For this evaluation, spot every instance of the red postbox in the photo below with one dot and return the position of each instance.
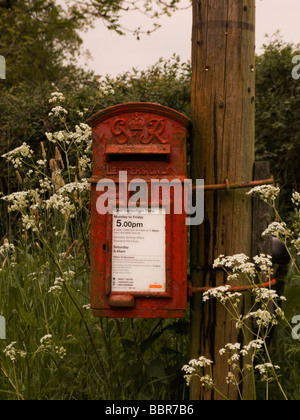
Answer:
(138, 222)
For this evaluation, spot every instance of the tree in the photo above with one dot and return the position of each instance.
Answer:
(7, 4)
(39, 41)
(167, 82)
(110, 11)
(277, 115)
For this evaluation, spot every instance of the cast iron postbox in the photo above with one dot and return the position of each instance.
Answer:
(138, 246)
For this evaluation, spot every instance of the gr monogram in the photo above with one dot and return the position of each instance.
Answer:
(145, 130)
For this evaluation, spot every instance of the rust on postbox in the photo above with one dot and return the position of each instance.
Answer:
(138, 233)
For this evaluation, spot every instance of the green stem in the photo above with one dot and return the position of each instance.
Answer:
(274, 373)
(74, 302)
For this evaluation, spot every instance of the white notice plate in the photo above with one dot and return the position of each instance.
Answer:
(139, 250)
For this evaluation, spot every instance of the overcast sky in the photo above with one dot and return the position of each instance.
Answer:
(113, 54)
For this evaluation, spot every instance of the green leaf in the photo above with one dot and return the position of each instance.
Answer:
(157, 368)
(129, 344)
(147, 343)
(292, 304)
(27, 317)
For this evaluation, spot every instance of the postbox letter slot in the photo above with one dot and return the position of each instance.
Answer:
(156, 152)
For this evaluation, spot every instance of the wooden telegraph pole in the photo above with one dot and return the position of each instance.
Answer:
(223, 96)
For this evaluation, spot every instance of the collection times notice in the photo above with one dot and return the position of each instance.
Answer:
(139, 251)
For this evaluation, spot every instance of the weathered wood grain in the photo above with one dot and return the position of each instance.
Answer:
(223, 101)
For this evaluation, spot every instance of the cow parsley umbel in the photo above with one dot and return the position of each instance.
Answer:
(250, 358)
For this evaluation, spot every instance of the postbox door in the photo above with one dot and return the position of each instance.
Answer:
(142, 260)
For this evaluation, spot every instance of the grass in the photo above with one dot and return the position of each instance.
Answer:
(122, 359)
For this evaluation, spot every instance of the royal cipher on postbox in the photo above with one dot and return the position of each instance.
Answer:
(138, 221)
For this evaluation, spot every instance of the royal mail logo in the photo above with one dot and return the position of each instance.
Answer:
(2, 67)
(2, 328)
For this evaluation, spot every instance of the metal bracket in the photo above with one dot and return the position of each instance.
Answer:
(228, 186)
(193, 290)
